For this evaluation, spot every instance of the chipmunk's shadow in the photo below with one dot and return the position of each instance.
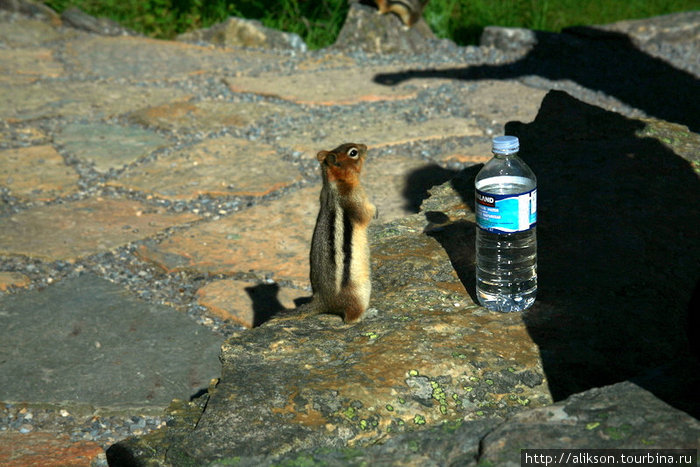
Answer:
(266, 303)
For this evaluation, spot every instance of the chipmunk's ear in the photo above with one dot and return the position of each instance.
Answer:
(321, 156)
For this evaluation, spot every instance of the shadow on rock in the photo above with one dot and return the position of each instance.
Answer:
(419, 181)
(458, 238)
(618, 251)
(598, 60)
(266, 303)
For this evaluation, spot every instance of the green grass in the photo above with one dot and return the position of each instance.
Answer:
(319, 21)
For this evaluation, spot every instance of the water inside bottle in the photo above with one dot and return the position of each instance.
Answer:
(506, 272)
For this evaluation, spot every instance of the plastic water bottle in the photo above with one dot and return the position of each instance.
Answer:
(506, 237)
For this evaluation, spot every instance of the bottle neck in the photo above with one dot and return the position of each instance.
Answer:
(501, 155)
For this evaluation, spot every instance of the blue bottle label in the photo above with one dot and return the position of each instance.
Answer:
(509, 213)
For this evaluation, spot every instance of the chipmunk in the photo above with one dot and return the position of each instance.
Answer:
(409, 11)
(340, 270)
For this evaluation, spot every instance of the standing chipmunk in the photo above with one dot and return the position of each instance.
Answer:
(409, 11)
(340, 270)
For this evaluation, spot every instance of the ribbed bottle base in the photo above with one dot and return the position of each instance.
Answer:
(506, 303)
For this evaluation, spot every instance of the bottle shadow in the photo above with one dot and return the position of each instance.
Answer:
(618, 223)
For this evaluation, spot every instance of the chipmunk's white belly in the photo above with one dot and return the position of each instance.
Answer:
(359, 267)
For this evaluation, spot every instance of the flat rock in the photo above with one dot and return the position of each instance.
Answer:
(77, 229)
(493, 101)
(84, 99)
(223, 166)
(43, 448)
(235, 244)
(245, 303)
(89, 341)
(108, 146)
(28, 65)
(36, 173)
(133, 58)
(189, 116)
(329, 87)
(505, 101)
(376, 130)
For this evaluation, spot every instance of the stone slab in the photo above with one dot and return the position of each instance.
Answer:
(247, 304)
(329, 60)
(189, 116)
(82, 228)
(88, 340)
(132, 58)
(108, 146)
(36, 173)
(328, 87)
(26, 65)
(268, 238)
(46, 449)
(83, 99)
(223, 166)
(375, 129)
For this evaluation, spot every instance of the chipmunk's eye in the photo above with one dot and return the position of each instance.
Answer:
(353, 153)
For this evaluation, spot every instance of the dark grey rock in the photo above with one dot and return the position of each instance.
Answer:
(508, 39)
(621, 416)
(239, 32)
(87, 340)
(367, 30)
(78, 19)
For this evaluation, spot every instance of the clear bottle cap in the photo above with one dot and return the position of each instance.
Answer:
(505, 144)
